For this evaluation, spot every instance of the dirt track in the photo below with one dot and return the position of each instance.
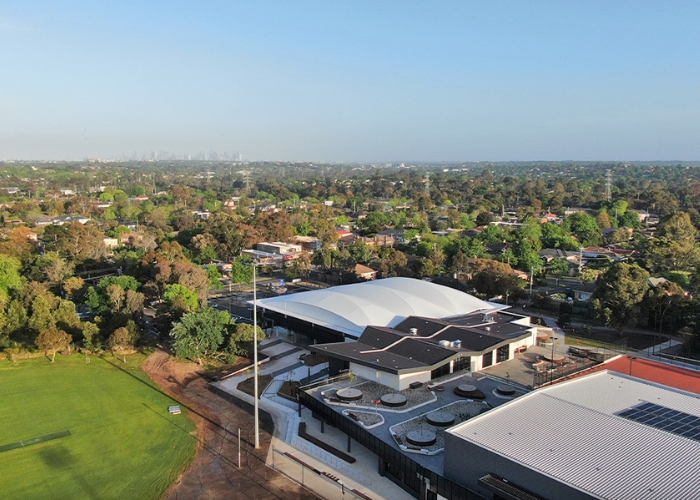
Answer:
(214, 473)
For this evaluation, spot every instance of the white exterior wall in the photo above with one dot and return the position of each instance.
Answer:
(408, 379)
(476, 362)
(384, 378)
(396, 382)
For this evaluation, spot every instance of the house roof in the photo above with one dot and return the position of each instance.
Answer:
(556, 431)
(387, 302)
(361, 269)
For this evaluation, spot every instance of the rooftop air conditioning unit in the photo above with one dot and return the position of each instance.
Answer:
(457, 344)
(445, 343)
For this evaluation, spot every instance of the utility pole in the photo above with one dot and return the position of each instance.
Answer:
(255, 360)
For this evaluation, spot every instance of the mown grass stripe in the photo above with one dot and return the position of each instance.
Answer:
(36, 440)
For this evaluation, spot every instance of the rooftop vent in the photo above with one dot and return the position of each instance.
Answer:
(487, 328)
(413, 331)
(457, 344)
(445, 343)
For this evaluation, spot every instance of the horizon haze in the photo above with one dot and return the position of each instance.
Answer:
(351, 82)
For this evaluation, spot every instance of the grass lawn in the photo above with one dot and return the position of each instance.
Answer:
(583, 342)
(123, 442)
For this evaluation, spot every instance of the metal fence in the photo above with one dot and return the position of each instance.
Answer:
(393, 464)
(321, 482)
(548, 376)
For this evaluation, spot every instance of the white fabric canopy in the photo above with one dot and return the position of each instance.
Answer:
(387, 302)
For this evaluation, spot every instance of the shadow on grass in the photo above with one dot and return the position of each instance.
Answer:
(226, 432)
(59, 458)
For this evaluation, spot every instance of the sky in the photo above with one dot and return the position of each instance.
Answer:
(353, 80)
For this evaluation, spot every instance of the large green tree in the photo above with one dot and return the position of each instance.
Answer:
(617, 299)
(53, 339)
(199, 334)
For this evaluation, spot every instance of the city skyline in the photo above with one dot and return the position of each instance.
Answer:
(358, 82)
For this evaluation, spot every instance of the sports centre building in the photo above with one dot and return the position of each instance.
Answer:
(399, 331)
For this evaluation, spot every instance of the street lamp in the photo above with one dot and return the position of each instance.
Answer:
(551, 375)
(255, 360)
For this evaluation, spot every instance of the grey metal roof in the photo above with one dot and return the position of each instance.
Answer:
(570, 432)
(395, 349)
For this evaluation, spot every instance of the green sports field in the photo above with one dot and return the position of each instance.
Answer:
(123, 443)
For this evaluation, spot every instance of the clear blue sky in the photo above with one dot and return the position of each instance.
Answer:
(352, 80)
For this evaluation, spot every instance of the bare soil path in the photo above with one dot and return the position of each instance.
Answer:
(214, 473)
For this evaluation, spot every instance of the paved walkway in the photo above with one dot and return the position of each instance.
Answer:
(362, 475)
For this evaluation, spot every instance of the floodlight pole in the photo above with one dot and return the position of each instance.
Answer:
(551, 376)
(255, 360)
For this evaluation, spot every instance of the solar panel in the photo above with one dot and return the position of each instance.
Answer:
(665, 419)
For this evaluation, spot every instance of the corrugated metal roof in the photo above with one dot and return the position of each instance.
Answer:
(569, 432)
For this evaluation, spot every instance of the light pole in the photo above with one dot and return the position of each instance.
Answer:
(551, 376)
(255, 360)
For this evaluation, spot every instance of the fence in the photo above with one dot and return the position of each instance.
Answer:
(680, 360)
(321, 482)
(590, 344)
(395, 465)
(546, 377)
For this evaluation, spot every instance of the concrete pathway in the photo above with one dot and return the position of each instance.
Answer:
(362, 475)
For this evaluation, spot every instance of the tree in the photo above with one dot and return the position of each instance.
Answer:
(214, 276)
(558, 267)
(198, 334)
(9, 274)
(484, 218)
(531, 231)
(242, 339)
(181, 298)
(16, 318)
(53, 339)
(660, 300)
(18, 242)
(493, 283)
(122, 340)
(299, 267)
(618, 295)
(52, 267)
(361, 252)
(193, 277)
(629, 219)
(525, 253)
(242, 270)
(585, 227)
(77, 242)
(89, 331)
(73, 287)
(41, 319)
(110, 294)
(678, 228)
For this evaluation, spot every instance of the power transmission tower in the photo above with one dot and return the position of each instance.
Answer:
(247, 182)
(608, 184)
(427, 183)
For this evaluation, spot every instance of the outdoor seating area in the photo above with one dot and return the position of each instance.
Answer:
(425, 434)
